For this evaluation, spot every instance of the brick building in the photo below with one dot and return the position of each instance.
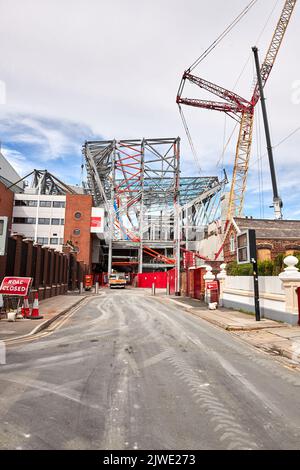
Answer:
(6, 202)
(8, 176)
(273, 237)
(78, 225)
(51, 213)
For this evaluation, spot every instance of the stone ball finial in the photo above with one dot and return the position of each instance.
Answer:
(290, 272)
(209, 276)
(291, 262)
(222, 275)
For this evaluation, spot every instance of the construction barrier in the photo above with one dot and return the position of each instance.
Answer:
(145, 280)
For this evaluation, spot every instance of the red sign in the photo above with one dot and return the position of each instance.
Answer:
(15, 286)
(212, 285)
(96, 221)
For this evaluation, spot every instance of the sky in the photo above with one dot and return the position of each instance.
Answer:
(76, 70)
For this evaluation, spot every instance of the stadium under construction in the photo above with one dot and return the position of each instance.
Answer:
(152, 213)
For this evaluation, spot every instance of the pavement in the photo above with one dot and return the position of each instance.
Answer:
(130, 371)
(50, 309)
(271, 336)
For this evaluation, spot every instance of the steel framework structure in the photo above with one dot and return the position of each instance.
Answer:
(138, 183)
(43, 182)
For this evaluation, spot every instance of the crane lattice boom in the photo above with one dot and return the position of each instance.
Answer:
(241, 110)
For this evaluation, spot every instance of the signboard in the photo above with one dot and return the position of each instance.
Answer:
(246, 247)
(212, 285)
(97, 220)
(15, 286)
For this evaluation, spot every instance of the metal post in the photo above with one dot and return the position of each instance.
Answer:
(141, 218)
(253, 255)
(37, 211)
(153, 288)
(276, 198)
(178, 243)
(111, 209)
(256, 290)
(168, 287)
(81, 288)
(97, 288)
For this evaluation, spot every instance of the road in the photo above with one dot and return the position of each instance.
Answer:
(129, 371)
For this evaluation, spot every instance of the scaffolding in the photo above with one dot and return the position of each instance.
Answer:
(146, 201)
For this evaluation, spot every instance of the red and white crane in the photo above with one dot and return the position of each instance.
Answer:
(241, 110)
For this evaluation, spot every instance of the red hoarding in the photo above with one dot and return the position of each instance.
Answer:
(15, 286)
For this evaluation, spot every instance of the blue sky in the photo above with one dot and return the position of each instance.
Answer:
(35, 142)
(69, 80)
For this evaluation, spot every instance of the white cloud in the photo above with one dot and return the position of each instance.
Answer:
(17, 160)
(116, 66)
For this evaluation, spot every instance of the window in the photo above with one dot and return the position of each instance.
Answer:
(55, 221)
(19, 220)
(77, 215)
(58, 204)
(24, 220)
(43, 240)
(62, 221)
(76, 232)
(264, 254)
(45, 203)
(53, 241)
(61, 241)
(232, 244)
(44, 221)
(1, 226)
(26, 203)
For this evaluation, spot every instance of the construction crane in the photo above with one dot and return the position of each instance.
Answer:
(242, 111)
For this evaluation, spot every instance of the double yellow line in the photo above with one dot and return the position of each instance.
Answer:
(54, 326)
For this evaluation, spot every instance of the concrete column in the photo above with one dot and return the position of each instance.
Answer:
(290, 279)
(222, 279)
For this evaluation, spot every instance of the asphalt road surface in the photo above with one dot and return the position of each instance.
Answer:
(129, 371)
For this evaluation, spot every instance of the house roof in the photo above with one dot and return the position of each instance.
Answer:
(276, 229)
(8, 175)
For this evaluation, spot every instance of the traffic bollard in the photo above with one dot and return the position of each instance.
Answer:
(153, 288)
(168, 288)
(97, 288)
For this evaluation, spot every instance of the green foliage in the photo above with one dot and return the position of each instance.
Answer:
(265, 268)
(234, 269)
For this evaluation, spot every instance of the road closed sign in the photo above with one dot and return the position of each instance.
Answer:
(15, 286)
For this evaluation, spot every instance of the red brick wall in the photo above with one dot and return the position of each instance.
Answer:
(6, 209)
(6, 202)
(228, 256)
(276, 246)
(79, 203)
